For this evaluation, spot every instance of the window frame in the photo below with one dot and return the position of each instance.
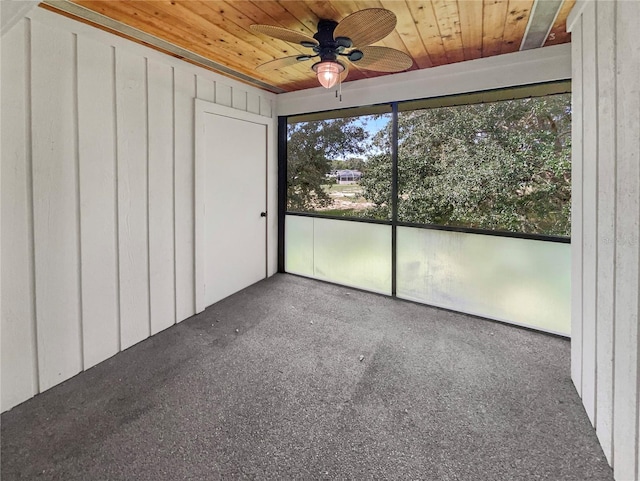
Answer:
(467, 98)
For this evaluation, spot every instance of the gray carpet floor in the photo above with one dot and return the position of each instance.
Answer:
(297, 379)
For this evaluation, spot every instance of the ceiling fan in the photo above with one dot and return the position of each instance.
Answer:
(333, 42)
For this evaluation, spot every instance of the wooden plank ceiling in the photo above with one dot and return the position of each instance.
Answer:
(433, 33)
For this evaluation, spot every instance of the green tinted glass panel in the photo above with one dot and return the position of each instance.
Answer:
(521, 281)
(298, 257)
(353, 254)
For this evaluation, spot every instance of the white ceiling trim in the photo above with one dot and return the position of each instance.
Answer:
(509, 70)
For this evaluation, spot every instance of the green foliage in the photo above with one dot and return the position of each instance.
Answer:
(310, 146)
(349, 164)
(501, 166)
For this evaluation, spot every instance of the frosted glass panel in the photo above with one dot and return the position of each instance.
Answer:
(298, 258)
(521, 281)
(353, 254)
(349, 253)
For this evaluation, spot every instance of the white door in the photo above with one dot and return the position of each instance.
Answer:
(232, 166)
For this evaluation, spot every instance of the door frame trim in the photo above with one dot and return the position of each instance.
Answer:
(202, 108)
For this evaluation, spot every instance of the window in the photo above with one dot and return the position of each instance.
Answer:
(503, 165)
(490, 161)
(328, 161)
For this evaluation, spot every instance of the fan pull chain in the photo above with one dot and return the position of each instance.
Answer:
(339, 89)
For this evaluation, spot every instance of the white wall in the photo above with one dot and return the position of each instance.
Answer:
(98, 195)
(606, 224)
(519, 68)
(12, 11)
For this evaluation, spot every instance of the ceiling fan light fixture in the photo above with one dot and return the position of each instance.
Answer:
(328, 72)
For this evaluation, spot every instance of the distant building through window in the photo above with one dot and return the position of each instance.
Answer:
(500, 165)
(348, 176)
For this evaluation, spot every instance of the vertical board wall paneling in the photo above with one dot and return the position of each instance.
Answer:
(265, 107)
(205, 89)
(576, 207)
(223, 94)
(55, 187)
(132, 153)
(239, 99)
(253, 103)
(608, 108)
(19, 354)
(606, 151)
(626, 400)
(184, 93)
(589, 212)
(97, 157)
(81, 187)
(161, 195)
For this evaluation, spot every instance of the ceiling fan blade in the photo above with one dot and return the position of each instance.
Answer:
(285, 34)
(282, 62)
(384, 59)
(366, 26)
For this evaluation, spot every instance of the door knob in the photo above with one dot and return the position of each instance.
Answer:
(263, 214)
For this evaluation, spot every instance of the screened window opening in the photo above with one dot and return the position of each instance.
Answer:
(328, 162)
(502, 166)
(461, 202)
(495, 161)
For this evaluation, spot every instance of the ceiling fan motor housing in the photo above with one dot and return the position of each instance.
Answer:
(329, 48)
(363, 28)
